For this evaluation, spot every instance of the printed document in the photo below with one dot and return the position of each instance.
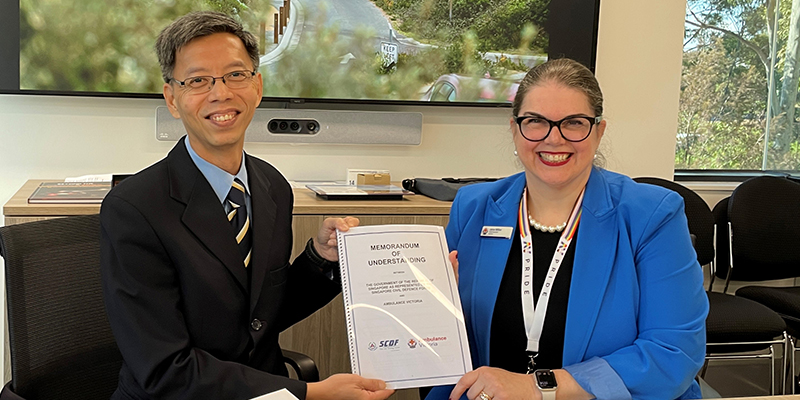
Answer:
(404, 319)
(281, 394)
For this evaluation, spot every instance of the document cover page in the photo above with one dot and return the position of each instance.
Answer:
(404, 319)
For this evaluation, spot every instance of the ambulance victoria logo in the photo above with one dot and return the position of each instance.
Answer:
(485, 230)
(428, 341)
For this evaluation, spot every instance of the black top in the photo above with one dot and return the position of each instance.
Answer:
(508, 340)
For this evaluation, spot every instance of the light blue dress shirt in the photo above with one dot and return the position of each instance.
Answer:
(219, 179)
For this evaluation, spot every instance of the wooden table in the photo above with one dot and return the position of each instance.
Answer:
(322, 335)
(411, 209)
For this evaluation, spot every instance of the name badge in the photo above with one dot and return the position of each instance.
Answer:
(504, 232)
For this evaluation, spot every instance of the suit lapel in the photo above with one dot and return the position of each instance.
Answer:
(201, 217)
(594, 258)
(263, 228)
(491, 262)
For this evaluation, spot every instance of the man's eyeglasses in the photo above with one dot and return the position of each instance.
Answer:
(536, 128)
(202, 84)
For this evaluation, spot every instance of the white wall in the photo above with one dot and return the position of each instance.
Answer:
(638, 66)
(639, 51)
(53, 137)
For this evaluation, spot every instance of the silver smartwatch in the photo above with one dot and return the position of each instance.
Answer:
(546, 382)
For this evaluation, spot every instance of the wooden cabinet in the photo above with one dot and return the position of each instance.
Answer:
(322, 335)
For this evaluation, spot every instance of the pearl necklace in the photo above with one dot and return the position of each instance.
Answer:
(545, 228)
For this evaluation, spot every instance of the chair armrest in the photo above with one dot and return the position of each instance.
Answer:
(302, 364)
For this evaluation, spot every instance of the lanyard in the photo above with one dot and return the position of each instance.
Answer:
(534, 317)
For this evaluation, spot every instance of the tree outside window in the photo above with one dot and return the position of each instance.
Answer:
(739, 86)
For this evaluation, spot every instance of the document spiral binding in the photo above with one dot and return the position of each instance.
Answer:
(351, 337)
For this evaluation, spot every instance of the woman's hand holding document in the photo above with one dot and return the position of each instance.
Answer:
(404, 319)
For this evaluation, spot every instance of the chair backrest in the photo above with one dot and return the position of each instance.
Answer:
(764, 213)
(61, 342)
(698, 214)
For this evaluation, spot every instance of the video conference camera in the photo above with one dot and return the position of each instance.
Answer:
(315, 126)
(296, 126)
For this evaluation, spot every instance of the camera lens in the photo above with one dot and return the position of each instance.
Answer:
(284, 125)
(273, 126)
(295, 126)
(312, 126)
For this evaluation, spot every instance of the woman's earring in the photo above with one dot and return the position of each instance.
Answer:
(515, 153)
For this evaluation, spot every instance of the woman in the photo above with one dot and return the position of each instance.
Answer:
(622, 313)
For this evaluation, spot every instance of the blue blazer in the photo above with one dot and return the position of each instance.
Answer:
(637, 309)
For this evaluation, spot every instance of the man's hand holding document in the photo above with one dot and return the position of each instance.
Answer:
(404, 319)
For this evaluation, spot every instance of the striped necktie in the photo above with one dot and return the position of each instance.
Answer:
(239, 219)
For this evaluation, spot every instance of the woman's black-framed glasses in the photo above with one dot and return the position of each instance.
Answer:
(202, 84)
(575, 128)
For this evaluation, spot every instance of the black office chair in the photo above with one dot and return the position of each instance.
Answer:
(61, 343)
(735, 327)
(698, 214)
(721, 239)
(764, 240)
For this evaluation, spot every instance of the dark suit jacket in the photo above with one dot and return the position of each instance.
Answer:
(187, 322)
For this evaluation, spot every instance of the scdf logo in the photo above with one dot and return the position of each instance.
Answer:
(372, 346)
(388, 343)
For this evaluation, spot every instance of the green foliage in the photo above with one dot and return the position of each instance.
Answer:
(121, 57)
(362, 77)
(365, 77)
(497, 23)
(724, 89)
(505, 66)
(230, 7)
(462, 55)
(53, 46)
(722, 110)
(501, 27)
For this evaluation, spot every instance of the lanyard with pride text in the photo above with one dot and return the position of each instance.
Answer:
(534, 317)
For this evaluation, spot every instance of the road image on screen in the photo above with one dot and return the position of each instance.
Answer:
(406, 50)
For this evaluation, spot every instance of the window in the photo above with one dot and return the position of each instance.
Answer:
(739, 86)
(444, 92)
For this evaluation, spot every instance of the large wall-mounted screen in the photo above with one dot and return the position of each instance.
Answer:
(370, 51)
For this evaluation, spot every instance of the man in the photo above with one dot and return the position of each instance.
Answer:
(195, 249)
